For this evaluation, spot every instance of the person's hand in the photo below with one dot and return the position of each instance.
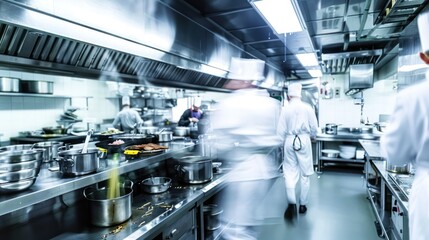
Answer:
(193, 120)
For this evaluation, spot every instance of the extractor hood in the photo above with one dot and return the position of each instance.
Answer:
(143, 42)
(361, 77)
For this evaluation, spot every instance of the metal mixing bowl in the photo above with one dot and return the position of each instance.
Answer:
(156, 184)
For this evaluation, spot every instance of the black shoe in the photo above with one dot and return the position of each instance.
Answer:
(302, 209)
(290, 212)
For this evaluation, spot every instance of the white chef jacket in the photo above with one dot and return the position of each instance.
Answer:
(407, 140)
(127, 118)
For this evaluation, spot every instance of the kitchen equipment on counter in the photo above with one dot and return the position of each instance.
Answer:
(347, 151)
(331, 128)
(212, 214)
(85, 145)
(11, 187)
(50, 149)
(181, 131)
(402, 169)
(131, 139)
(75, 163)
(41, 87)
(8, 84)
(165, 136)
(155, 185)
(105, 212)
(54, 130)
(194, 169)
(380, 126)
(148, 130)
(331, 153)
(18, 147)
(17, 156)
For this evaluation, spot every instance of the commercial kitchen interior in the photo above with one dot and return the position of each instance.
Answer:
(95, 52)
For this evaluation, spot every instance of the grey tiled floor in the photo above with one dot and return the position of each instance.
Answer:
(338, 210)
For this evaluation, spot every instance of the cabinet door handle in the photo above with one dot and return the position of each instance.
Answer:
(172, 233)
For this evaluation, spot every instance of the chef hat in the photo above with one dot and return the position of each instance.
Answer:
(125, 100)
(423, 24)
(246, 69)
(197, 102)
(294, 90)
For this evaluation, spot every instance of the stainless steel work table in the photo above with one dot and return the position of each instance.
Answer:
(73, 223)
(340, 137)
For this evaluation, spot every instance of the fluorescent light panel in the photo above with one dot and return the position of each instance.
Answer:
(315, 73)
(280, 14)
(307, 59)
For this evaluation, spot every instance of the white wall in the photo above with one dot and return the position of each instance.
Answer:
(342, 110)
(20, 113)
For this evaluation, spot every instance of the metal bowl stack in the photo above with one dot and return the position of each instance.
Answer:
(19, 168)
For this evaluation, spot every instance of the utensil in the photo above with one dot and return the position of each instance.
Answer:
(85, 145)
(154, 185)
(75, 163)
(195, 169)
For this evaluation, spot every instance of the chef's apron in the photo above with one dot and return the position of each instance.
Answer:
(419, 205)
(196, 114)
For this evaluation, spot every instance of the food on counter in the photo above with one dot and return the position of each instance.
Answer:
(147, 147)
(111, 131)
(117, 142)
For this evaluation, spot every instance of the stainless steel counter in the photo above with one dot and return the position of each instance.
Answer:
(343, 136)
(51, 184)
(372, 148)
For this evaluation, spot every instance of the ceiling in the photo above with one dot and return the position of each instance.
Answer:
(340, 32)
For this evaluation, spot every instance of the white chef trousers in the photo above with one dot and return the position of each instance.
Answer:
(419, 205)
(297, 166)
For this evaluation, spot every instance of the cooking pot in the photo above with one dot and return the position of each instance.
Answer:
(9, 84)
(181, 131)
(148, 130)
(195, 169)
(331, 153)
(403, 169)
(165, 136)
(105, 212)
(156, 184)
(331, 128)
(74, 163)
(42, 87)
(212, 217)
(50, 149)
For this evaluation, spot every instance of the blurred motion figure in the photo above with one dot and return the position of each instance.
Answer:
(297, 126)
(192, 115)
(406, 139)
(245, 131)
(127, 119)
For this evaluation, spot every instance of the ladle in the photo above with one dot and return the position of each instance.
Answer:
(85, 145)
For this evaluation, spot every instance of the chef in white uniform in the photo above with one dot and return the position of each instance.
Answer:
(406, 139)
(297, 125)
(244, 126)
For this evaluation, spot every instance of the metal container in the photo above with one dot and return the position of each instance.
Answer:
(195, 169)
(13, 167)
(331, 128)
(165, 136)
(155, 185)
(51, 149)
(18, 175)
(42, 87)
(212, 214)
(20, 156)
(331, 153)
(74, 163)
(8, 84)
(106, 212)
(11, 187)
(403, 169)
(18, 147)
(181, 131)
(148, 130)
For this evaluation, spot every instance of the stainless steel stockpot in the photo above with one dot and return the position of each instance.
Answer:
(51, 149)
(74, 163)
(195, 169)
(107, 212)
(331, 128)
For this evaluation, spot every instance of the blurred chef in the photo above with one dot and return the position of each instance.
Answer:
(192, 115)
(127, 119)
(406, 139)
(297, 126)
(244, 126)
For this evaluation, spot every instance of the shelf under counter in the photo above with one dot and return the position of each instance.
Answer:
(50, 184)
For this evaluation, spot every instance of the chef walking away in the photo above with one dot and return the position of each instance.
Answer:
(192, 115)
(127, 119)
(297, 126)
(244, 128)
(406, 139)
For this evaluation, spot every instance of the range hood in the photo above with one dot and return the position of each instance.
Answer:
(361, 77)
(143, 42)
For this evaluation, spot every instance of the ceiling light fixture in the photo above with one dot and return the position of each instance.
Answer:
(315, 73)
(282, 15)
(307, 59)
